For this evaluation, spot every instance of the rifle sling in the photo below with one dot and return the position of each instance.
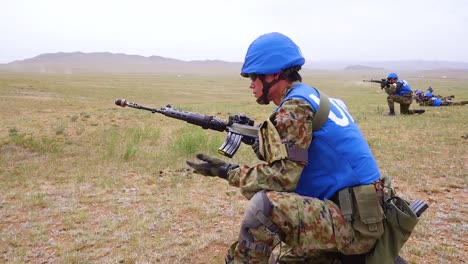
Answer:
(323, 110)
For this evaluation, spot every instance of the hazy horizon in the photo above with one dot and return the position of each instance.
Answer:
(357, 61)
(358, 31)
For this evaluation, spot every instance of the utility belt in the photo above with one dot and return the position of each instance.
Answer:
(376, 207)
(362, 207)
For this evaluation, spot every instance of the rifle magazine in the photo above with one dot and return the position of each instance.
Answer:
(230, 145)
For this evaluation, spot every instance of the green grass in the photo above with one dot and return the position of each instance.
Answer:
(85, 181)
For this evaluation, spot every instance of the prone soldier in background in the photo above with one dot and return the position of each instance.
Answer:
(429, 99)
(430, 93)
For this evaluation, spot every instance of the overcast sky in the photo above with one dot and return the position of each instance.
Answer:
(223, 29)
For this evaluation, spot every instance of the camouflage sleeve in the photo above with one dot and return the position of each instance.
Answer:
(294, 124)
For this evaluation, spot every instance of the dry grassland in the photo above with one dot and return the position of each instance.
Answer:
(85, 181)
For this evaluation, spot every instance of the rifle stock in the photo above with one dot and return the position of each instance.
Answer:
(240, 128)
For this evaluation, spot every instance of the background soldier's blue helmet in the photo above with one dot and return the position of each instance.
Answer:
(270, 54)
(392, 76)
(418, 92)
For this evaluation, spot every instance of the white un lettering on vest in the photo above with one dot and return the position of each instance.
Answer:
(342, 109)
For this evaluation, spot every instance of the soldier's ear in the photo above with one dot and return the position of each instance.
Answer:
(278, 75)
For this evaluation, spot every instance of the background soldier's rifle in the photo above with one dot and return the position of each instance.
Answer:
(240, 128)
(383, 82)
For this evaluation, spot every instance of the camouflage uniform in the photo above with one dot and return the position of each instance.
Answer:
(404, 100)
(315, 230)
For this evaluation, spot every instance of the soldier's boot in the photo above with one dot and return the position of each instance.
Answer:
(392, 111)
(404, 109)
(391, 106)
(463, 102)
(419, 111)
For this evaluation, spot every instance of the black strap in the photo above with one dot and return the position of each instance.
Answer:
(266, 89)
(257, 247)
(269, 225)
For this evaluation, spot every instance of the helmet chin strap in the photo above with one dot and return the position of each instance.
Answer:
(263, 100)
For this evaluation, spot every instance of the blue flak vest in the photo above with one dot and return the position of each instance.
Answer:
(339, 156)
(436, 101)
(405, 88)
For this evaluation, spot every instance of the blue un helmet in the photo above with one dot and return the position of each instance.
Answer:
(270, 54)
(392, 76)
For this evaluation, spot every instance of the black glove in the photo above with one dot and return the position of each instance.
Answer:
(211, 166)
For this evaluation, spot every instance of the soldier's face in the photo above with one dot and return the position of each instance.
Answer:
(257, 86)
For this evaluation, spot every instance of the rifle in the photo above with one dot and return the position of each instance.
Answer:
(383, 82)
(240, 128)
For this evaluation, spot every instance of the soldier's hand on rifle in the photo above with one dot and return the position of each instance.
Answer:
(383, 84)
(256, 149)
(211, 166)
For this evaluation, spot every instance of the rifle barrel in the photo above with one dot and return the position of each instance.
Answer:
(205, 121)
(374, 81)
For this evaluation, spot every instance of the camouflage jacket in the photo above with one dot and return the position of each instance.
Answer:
(293, 122)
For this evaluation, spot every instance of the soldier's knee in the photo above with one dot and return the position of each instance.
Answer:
(257, 213)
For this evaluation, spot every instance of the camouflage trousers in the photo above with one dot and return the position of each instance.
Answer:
(404, 101)
(315, 232)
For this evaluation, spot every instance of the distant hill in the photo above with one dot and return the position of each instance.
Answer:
(118, 63)
(392, 66)
(362, 68)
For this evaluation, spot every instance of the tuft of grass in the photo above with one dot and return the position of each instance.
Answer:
(60, 130)
(191, 140)
(85, 115)
(111, 139)
(129, 142)
(44, 144)
(74, 118)
(38, 199)
(130, 151)
(13, 132)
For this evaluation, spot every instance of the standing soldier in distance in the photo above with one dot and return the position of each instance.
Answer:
(315, 155)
